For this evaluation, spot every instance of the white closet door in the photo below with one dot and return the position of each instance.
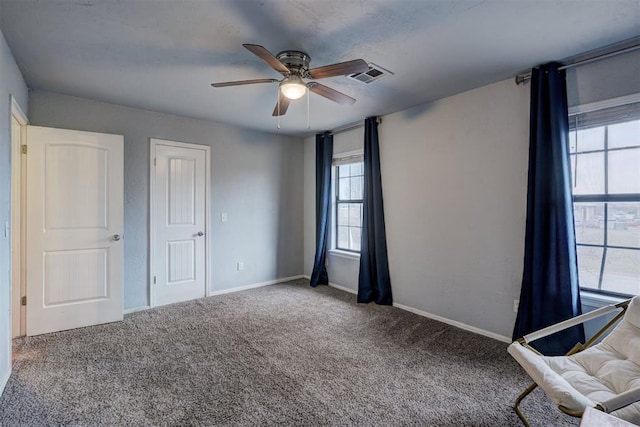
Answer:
(178, 210)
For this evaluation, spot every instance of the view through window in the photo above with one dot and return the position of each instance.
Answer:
(605, 169)
(349, 193)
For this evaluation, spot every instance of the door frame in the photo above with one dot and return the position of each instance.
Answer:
(153, 143)
(18, 241)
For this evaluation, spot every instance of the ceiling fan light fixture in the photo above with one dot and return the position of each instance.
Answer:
(293, 87)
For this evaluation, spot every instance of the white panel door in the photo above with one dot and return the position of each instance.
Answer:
(74, 223)
(179, 218)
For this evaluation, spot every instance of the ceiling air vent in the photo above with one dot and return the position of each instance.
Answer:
(375, 72)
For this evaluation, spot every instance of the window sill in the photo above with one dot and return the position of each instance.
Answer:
(344, 254)
(593, 299)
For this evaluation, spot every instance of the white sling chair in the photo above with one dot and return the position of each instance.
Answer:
(605, 376)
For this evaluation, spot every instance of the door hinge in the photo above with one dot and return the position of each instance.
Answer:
(154, 161)
(24, 149)
(23, 301)
(154, 280)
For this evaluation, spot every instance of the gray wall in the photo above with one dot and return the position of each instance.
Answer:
(256, 178)
(454, 181)
(454, 178)
(11, 83)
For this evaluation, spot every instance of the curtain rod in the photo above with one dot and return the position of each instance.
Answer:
(352, 126)
(522, 78)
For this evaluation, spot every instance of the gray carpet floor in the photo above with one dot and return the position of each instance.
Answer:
(285, 354)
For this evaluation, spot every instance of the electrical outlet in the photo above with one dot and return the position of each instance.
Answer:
(516, 303)
(240, 266)
(223, 217)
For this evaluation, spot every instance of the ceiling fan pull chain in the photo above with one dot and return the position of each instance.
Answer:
(308, 121)
(278, 101)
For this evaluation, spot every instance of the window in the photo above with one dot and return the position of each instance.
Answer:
(349, 183)
(605, 169)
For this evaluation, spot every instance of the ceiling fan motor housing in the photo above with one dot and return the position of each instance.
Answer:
(297, 62)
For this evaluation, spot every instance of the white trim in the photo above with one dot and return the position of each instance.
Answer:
(358, 152)
(14, 111)
(435, 317)
(593, 299)
(231, 290)
(17, 111)
(355, 156)
(135, 309)
(454, 323)
(5, 378)
(343, 288)
(256, 285)
(152, 186)
(153, 142)
(17, 240)
(607, 103)
(333, 285)
(344, 254)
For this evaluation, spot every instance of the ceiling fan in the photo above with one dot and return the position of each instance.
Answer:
(294, 66)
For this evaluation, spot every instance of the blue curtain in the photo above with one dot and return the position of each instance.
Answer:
(550, 291)
(324, 157)
(374, 283)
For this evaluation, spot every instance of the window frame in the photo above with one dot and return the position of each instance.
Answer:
(351, 158)
(605, 197)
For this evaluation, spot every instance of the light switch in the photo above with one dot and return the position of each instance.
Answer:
(223, 217)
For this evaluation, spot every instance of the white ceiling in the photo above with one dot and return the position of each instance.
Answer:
(162, 55)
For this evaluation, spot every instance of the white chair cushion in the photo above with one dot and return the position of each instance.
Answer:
(633, 312)
(594, 375)
(557, 388)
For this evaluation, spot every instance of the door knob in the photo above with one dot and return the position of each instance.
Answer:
(115, 237)
(200, 233)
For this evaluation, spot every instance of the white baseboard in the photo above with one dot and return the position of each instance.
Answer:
(227, 291)
(4, 379)
(454, 323)
(343, 288)
(255, 285)
(133, 310)
(435, 317)
(333, 285)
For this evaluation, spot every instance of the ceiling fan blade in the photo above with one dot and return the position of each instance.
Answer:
(284, 104)
(243, 82)
(341, 69)
(331, 94)
(267, 57)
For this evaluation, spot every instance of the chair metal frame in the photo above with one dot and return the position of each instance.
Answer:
(524, 341)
